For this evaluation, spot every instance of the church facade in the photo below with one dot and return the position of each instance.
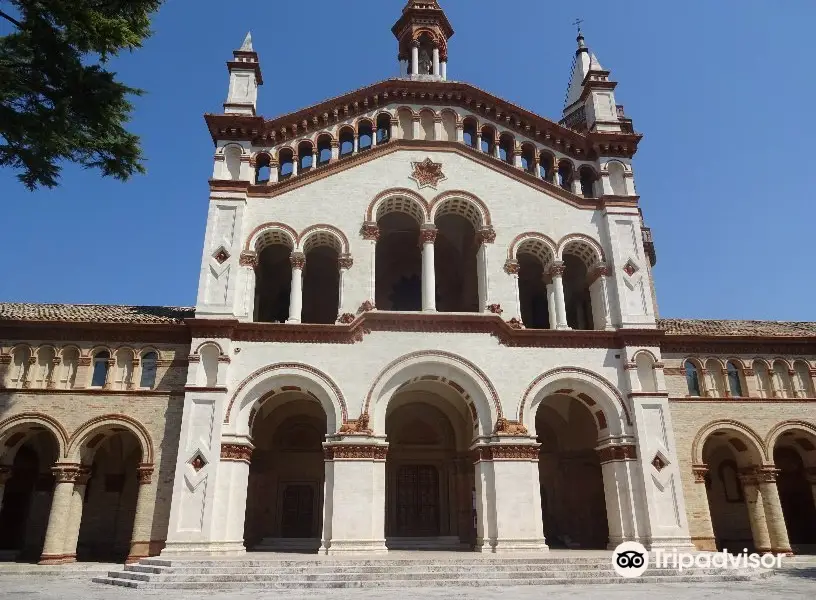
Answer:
(425, 318)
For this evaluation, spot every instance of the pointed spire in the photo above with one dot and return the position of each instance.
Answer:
(247, 45)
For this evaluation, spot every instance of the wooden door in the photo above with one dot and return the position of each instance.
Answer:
(298, 511)
(417, 501)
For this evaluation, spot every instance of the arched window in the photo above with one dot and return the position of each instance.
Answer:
(763, 379)
(546, 168)
(692, 379)
(305, 156)
(208, 375)
(565, 174)
(70, 361)
(582, 295)
(286, 158)
(645, 370)
(383, 128)
(783, 380)
(45, 366)
(20, 366)
(488, 140)
(587, 176)
(426, 125)
(346, 142)
(617, 178)
(124, 369)
(148, 378)
(100, 368)
(324, 150)
(232, 159)
(804, 384)
(365, 135)
(528, 159)
(507, 148)
(715, 375)
(535, 290)
(469, 132)
(262, 168)
(734, 379)
(448, 126)
(406, 123)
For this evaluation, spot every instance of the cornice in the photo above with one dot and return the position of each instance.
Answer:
(360, 158)
(66, 331)
(318, 117)
(92, 392)
(694, 344)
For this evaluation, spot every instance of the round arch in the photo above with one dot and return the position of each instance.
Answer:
(23, 421)
(538, 243)
(464, 373)
(745, 433)
(282, 377)
(463, 203)
(592, 245)
(323, 235)
(398, 200)
(583, 384)
(271, 233)
(784, 427)
(92, 426)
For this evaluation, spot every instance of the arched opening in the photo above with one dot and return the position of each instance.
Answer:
(365, 135)
(430, 485)
(469, 131)
(305, 156)
(566, 173)
(321, 280)
(27, 495)
(573, 505)
(448, 126)
(802, 380)
(693, 378)
(763, 379)
(488, 140)
(109, 505)
(793, 453)
(456, 258)
(45, 366)
(406, 123)
(646, 373)
(617, 178)
(232, 159)
(284, 509)
(208, 373)
(398, 281)
(123, 379)
(263, 168)
(784, 387)
(286, 158)
(101, 366)
(383, 128)
(546, 167)
(346, 142)
(735, 378)
(20, 367)
(725, 453)
(426, 125)
(507, 148)
(273, 281)
(70, 361)
(324, 150)
(716, 379)
(147, 379)
(580, 301)
(426, 46)
(528, 158)
(587, 179)
(535, 286)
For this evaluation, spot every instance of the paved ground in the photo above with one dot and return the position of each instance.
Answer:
(794, 582)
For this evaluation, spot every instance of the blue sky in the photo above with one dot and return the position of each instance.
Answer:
(721, 90)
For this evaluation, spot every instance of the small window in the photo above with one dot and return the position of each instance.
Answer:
(692, 379)
(148, 378)
(100, 371)
(734, 383)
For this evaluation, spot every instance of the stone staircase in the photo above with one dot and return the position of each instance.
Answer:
(332, 573)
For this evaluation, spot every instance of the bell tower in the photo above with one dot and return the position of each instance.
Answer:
(423, 32)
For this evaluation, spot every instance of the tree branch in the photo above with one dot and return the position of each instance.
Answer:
(10, 19)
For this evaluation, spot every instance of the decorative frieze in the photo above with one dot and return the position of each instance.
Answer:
(355, 452)
(248, 259)
(506, 452)
(67, 473)
(370, 231)
(237, 452)
(617, 453)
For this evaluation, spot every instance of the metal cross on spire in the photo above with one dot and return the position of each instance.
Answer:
(577, 23)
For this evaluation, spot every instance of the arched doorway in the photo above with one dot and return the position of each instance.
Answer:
(273, 283)
(286, 476)
(105, 531)
(794, 455)
(573, 505)
(429, 472)
(26, 500)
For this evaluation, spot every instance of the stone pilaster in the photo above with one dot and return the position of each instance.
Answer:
(140, 546)
(756, 510)
(777, 530)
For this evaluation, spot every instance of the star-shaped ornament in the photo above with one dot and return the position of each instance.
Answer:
(427, 173)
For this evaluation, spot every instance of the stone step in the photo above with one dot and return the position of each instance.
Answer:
(487, 561)
(413, 583)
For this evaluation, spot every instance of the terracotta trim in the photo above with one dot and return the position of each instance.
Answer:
(91, 392)
(648, 395)
(71, 331)
(738, 400)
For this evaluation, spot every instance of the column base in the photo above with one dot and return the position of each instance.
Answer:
(140, 550)
(180, 549)
(705, 544)
(57, 559)
(341, 547)
(783, 551)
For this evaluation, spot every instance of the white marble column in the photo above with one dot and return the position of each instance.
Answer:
(371, 233)
(557, 273)
(436, 71)
(298, 262)
(443, 70)
(551, 311)
(65, 474)
(344, 263)
(75, 515)
(403, 67)
(428, 237)
(335, 150)
(415, 57)
(143, 518)
(602, 297)
(508, 470)
(354, 496)
(248, 261)
(295, 161)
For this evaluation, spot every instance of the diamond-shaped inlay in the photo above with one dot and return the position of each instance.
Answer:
(198, 462)
(221, 255)
(658, 463)
(630, 268)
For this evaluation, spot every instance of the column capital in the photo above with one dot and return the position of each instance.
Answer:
(767, 474)
(345, 261)
(557, 269)
(248, 259)
(618, 452)
(486, 235)
(237, 452)
(66, 472)
(297, 260)
(511, 267)
(145, 473)
(700, 472)
(415, 44)
(370, 231)
(749, 476)
(427, 235)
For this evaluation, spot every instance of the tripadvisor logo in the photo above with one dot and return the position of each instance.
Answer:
(630, 559)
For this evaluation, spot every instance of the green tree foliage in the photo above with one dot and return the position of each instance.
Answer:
(58, 102)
